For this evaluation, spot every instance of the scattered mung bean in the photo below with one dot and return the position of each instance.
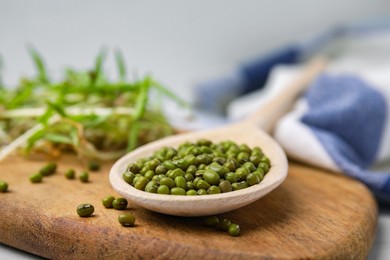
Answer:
(70, 174)
(3, 186)
(84, 177)
(36, 178)
(126, 219)
(85, 210)
(107, 201)
(222, 224)
(119, 203)
(93, 166)
(49, 169)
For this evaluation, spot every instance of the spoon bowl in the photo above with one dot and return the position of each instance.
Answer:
(247, 132)
(207, 204)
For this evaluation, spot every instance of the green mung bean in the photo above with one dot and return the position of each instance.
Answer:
(119, 203)
(163, 189)
(224, 224)
(202, 184)
(128, 177)
(240, 185)
(70, 174)
(48, 169)
(151, 187)
(234, 229)
(168, 182)
(213, 190)
(191, 192)
(202, 192)
(264, 166)
(126, 219)
(3, 186)
(107, 201)
(225, 186)
(211, 221)
(84, 177)
(178, 191)
(141, 183)
(85, 210)
(161, 169)
(134, 168)
(252, 179)
(36, 178)
(93, 166)
(211, 177)
(180, 182)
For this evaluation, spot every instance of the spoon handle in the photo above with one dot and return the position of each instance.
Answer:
(276, 106)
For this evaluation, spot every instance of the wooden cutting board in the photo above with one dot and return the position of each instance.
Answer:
(312, 215)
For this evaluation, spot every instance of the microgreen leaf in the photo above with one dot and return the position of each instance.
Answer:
(74, 136)
(57, 108)
(34, 138)
(58, 138)
(121, 66)
(132, 141)
(92, 120)
(39, 65)
(168, 93)
(142, 99)
(44, 118)
(97, 72)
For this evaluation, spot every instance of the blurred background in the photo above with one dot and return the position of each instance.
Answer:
(181, 43)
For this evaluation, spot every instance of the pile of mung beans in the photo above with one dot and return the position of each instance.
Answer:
(199, 168)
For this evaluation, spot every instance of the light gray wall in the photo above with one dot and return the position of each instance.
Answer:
(180, 42)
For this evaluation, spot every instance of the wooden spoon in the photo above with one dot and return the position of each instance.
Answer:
(248, 132)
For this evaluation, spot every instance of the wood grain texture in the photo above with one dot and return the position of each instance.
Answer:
(312, 215)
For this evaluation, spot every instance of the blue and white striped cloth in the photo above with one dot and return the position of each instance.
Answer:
(342, 123)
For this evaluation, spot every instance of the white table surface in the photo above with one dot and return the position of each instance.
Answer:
(381, 247)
